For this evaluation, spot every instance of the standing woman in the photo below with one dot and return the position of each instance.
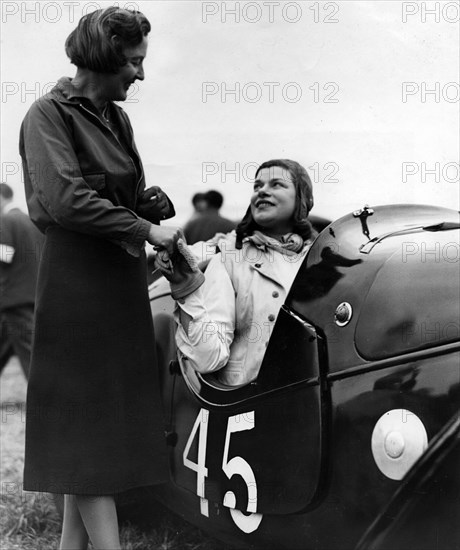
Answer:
(94, 422)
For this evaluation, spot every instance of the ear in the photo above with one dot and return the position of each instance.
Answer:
(116, 41)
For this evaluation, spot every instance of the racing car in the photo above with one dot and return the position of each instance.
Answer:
(360, 378)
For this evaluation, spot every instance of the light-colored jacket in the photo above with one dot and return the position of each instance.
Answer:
(234, 312)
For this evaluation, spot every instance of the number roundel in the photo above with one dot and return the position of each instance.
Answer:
(249, 521)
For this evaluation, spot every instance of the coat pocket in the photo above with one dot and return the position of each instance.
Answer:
(95, 181)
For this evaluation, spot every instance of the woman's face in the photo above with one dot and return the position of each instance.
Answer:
(117, 85)
(273, 200)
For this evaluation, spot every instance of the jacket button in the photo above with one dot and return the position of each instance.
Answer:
(271, 317)
(257, 265)
(275, 294)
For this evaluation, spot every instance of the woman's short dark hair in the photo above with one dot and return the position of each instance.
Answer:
(90, 45)
(303, 203)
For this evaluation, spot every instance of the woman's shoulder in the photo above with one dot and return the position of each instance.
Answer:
(45, 112)
(206, 251)
(46, 103)
(226, 241)
(50, 103)
(239, 259)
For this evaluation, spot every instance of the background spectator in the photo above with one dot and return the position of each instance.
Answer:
(20, 247)
(206, 224)
(200, 204)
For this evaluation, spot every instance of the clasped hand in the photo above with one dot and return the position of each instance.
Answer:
(181, 269)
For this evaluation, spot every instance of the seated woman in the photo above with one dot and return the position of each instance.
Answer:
(224, 325)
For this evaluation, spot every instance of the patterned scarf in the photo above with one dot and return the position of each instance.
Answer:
(288, 244)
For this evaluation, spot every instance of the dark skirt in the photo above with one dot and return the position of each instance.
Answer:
(94, 420)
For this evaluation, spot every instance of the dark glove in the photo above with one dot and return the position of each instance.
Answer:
(181, 269)
(154, 205)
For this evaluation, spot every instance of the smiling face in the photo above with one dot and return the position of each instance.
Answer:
(273, 201)
(116, 86)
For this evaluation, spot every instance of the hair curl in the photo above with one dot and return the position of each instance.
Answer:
(90, 45)
(303, 202)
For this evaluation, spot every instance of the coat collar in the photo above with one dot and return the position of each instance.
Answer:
(269, 268)
(66, 91)
(251, 258)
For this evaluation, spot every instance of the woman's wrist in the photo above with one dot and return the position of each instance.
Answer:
(152, 232)
(155, 234)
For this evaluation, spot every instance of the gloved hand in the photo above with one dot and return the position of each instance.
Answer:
(181, 269)
(154, 205)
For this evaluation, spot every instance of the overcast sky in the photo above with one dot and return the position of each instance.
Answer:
(364, 93)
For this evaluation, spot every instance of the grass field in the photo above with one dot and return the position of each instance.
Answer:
(30, 521)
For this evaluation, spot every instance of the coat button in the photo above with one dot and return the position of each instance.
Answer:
(275, 294)
(257, 265)
(271, 317)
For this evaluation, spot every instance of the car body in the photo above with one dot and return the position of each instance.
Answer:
(360, 375)
(424, 511)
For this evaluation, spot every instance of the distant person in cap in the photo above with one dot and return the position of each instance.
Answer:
(200, 204)
(206, 224)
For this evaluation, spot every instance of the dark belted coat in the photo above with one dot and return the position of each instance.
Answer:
(94, 418)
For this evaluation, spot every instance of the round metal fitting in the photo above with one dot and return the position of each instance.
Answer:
(394, 444)
(343, 314)
(399, 438)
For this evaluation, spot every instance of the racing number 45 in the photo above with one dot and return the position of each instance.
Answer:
(236, 466)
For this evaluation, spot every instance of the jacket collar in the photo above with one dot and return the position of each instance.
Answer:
(267, 267)
(66, 91)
